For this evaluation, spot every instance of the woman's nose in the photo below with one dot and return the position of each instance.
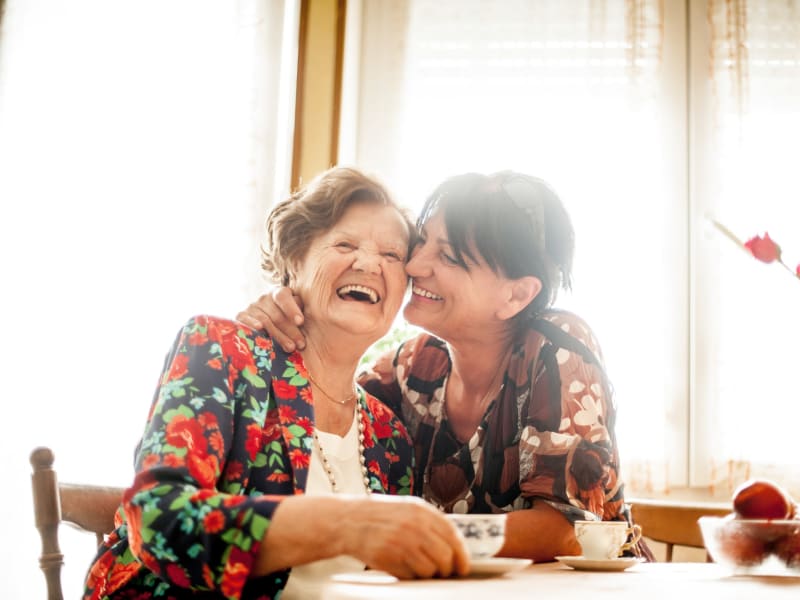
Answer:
(418, 264)
(367, 261)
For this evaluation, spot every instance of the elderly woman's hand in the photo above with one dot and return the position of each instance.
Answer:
(278, 312)
(406, 537)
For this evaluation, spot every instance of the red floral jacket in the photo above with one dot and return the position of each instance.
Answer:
(228, 436)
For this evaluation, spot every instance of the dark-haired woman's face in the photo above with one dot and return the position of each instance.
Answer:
(446, 299)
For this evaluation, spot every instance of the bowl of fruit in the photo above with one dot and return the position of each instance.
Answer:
(761, 535)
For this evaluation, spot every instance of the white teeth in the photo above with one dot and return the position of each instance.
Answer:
(359, 289)
(425, 293)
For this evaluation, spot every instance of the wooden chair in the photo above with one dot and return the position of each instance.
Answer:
(89, 508)
(674, 523)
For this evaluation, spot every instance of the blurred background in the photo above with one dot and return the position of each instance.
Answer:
(142, 144)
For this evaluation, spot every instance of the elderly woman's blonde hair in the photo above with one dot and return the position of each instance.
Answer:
(313, 209)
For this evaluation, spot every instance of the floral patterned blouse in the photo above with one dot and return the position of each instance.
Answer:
(228, 436)
(549, 435)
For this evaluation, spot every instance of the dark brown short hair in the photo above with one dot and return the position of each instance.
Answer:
(516, 223)
(293, 223)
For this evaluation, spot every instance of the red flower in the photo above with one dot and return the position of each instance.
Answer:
(201, 495)
(122, 574)
(234, 470)
(178, 368)
(217, 442)
(176, 573)
(297, 360)
(203, 469)
(284, 389)
(236, 571)
(214, 521)
(197, 339)
(234, 500)
(272, 429)
(383, 430)
(305, 395)
(183, 432)
(368, 431)
(379, 410)
(151, 460)
(172, 460)
(264, 343)
(233, 345)
(306, 424)
(299, 459)
(208, 420)
(254, 440)
(764, 249)
(287, 413)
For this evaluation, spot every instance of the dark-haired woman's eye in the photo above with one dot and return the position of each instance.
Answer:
(449, 259)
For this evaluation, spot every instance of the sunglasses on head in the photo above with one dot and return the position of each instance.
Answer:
(526, 193)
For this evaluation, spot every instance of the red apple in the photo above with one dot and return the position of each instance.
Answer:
(762, 499)
(788, 549)
(738, 545)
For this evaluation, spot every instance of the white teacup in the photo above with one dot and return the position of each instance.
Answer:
(605, 540)
(484, 534)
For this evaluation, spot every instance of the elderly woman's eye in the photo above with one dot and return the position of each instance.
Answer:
(345, 245)
(394, 255)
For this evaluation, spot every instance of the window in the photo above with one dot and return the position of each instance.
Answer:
(141, 145)
(648, 122)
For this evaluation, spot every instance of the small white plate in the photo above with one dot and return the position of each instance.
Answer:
(368, 576)
(486, 567)
(497, 566)
(585, 564)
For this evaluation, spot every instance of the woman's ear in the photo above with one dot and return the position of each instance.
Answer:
(520, 293)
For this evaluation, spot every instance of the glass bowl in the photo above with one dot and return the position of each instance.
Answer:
(753, 546)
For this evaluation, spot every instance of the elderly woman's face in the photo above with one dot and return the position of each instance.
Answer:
(353, 275)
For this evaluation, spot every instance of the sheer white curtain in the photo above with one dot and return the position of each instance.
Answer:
(648, 117)
(141, 144)
(573, 92)
(748, 323)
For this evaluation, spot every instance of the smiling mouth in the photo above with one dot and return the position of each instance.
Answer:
(359, 293)
(425, 293)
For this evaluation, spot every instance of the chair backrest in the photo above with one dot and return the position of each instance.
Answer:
(674, 522)
(89, 508)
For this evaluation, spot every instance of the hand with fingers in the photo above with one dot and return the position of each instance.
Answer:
(280, 313)
(406, 537)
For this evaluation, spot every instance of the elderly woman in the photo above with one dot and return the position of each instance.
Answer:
(508, 402)
(260, 469)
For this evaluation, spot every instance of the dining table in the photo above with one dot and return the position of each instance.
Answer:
(554, 580)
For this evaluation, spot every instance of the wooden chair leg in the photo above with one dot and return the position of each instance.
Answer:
(669, 552)
(47, 513)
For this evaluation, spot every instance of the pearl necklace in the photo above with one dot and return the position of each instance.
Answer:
(362, 460)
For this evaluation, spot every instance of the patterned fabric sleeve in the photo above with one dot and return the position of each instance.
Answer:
(568, 451)
(380, 380)
(180, 526)
(393, 437)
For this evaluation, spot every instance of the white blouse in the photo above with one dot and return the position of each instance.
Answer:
(305, 581)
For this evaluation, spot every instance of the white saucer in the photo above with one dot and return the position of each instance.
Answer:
(369, 576)
(486, 567)
(585, 564)
(497, 566)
